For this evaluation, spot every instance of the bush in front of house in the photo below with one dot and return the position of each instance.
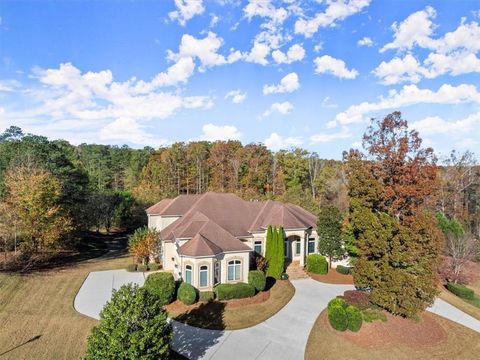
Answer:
(206, 296)
(344, 270)
(461, 291)
(153, 266)
(337, 317)
(142, 268)
(357, 298)
(257, 279)
(317, 264)
(337, 302)
(132, 267)
(162, 285)
(133, 324)
(234, 291)
(187, 294)
(354, 318)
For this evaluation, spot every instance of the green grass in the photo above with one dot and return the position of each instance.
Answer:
(370, 315)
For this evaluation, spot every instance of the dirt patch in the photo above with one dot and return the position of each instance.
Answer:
(333, 277)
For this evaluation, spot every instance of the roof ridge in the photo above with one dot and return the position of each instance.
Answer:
(259, 213)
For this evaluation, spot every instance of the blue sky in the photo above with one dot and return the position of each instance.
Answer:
(287, 73)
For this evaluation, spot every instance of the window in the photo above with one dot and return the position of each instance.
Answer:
(188, 274)
(311, 245)
(258, 246)
(203, 276)
(233, 270)
(298, 245)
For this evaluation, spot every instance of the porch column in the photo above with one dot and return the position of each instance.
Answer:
(302, 251)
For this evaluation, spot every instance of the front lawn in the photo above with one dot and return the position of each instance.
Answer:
(472, 307)
(234, 314)
(433, 337)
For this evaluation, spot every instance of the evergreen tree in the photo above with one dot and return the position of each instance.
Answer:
(280, 253)
(329, 229)
(273, 258)
(269, 246)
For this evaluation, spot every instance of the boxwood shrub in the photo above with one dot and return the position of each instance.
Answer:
(461, 291)
(257, 279)
(162, 285)
(234, 291)
(337, 317)
(153, 266)
(187, 294)
(354, 318)
(142, 268)
(206, 296)
(317, 264)
(344, 270)
(337, 302)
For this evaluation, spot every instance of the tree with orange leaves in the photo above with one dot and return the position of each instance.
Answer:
(143, 244)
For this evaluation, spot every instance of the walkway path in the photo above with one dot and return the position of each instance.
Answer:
(283, 336)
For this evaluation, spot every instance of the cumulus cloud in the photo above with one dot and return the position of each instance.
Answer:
(129, 130)
(277, 142)
(409, 95)
(365, 41)
(288, 84)
(283, 108)
(258, 53)
(295, 53)
(330, 65)
(265, 9)
(324, 138)
(186, 10)
(335, 11)
(435, 125)
(213, 132)
(237, 96)
(399, 69)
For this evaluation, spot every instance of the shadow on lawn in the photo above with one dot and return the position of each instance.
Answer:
(193, 342)
(20, 345)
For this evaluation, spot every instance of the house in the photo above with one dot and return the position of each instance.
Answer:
(211, 238)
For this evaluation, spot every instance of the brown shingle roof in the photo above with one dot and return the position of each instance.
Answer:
(178, 206)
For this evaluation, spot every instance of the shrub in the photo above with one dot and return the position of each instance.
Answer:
(132, 267)
(260, 262)
(162, 285)
(234, 291)
(358, 298)
(344, 270)
(153, 266)
(337, 302)
(187, 294)
(461, 291)
(133, 324)
(142, 268)
(317, 264)
(338, 318)
(206, 296)
(257, 279)
(354, 317)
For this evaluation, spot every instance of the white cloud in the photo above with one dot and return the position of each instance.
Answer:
(213, 132)
(265, 9)
(295, 53)
(324, 138)
(237, 96)
(409, 95)
(365, 41)
(399, 69)
(258, 54)
(330, 65)
(288, 84)
(129, 130)
(276, 142)
(335, 11)
(213, 20)
(186, 10)
(9, 85)
(318, 47)
(327, 104)
(435, 125)
(283, 108)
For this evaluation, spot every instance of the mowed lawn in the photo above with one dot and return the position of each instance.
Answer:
(37, 318)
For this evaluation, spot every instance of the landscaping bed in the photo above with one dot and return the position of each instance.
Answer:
(332, 277)
(430, 337)
(234, 314)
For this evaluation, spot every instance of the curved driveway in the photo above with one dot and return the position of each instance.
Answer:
(283, 336)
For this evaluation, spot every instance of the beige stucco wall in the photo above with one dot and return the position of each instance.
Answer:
(159, 222)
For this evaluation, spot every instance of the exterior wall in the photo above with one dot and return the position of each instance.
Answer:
(244, 257)
(169, 256)
(159, 222)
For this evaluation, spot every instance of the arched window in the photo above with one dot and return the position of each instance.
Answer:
(203, 276)
(188, 274)
(234, 270)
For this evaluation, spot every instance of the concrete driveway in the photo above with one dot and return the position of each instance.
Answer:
(283, 336)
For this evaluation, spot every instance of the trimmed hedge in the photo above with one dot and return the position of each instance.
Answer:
(162, 285)
(461, 291)
(153, 266)
(257, 279)
(354, 318)
(142, 268)
(206, 296)
(337, 302)
(344, 270)
(132, 267)
(338, 318)
(317, 264)
(187, 294)
(234, 291)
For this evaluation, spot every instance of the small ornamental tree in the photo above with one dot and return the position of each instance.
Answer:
(330, 233)
(280, 253)
(143, 243)
(269, 245)
(276, 264)
(133, 325)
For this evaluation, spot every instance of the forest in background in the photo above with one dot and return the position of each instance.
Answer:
(96, 187)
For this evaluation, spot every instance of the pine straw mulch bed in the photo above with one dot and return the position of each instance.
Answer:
(332, 277)
(234, 314)
(431, 337)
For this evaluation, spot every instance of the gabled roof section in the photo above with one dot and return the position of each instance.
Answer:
(170, 207)
(158, 207)
(286, 215)
(199, 246)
